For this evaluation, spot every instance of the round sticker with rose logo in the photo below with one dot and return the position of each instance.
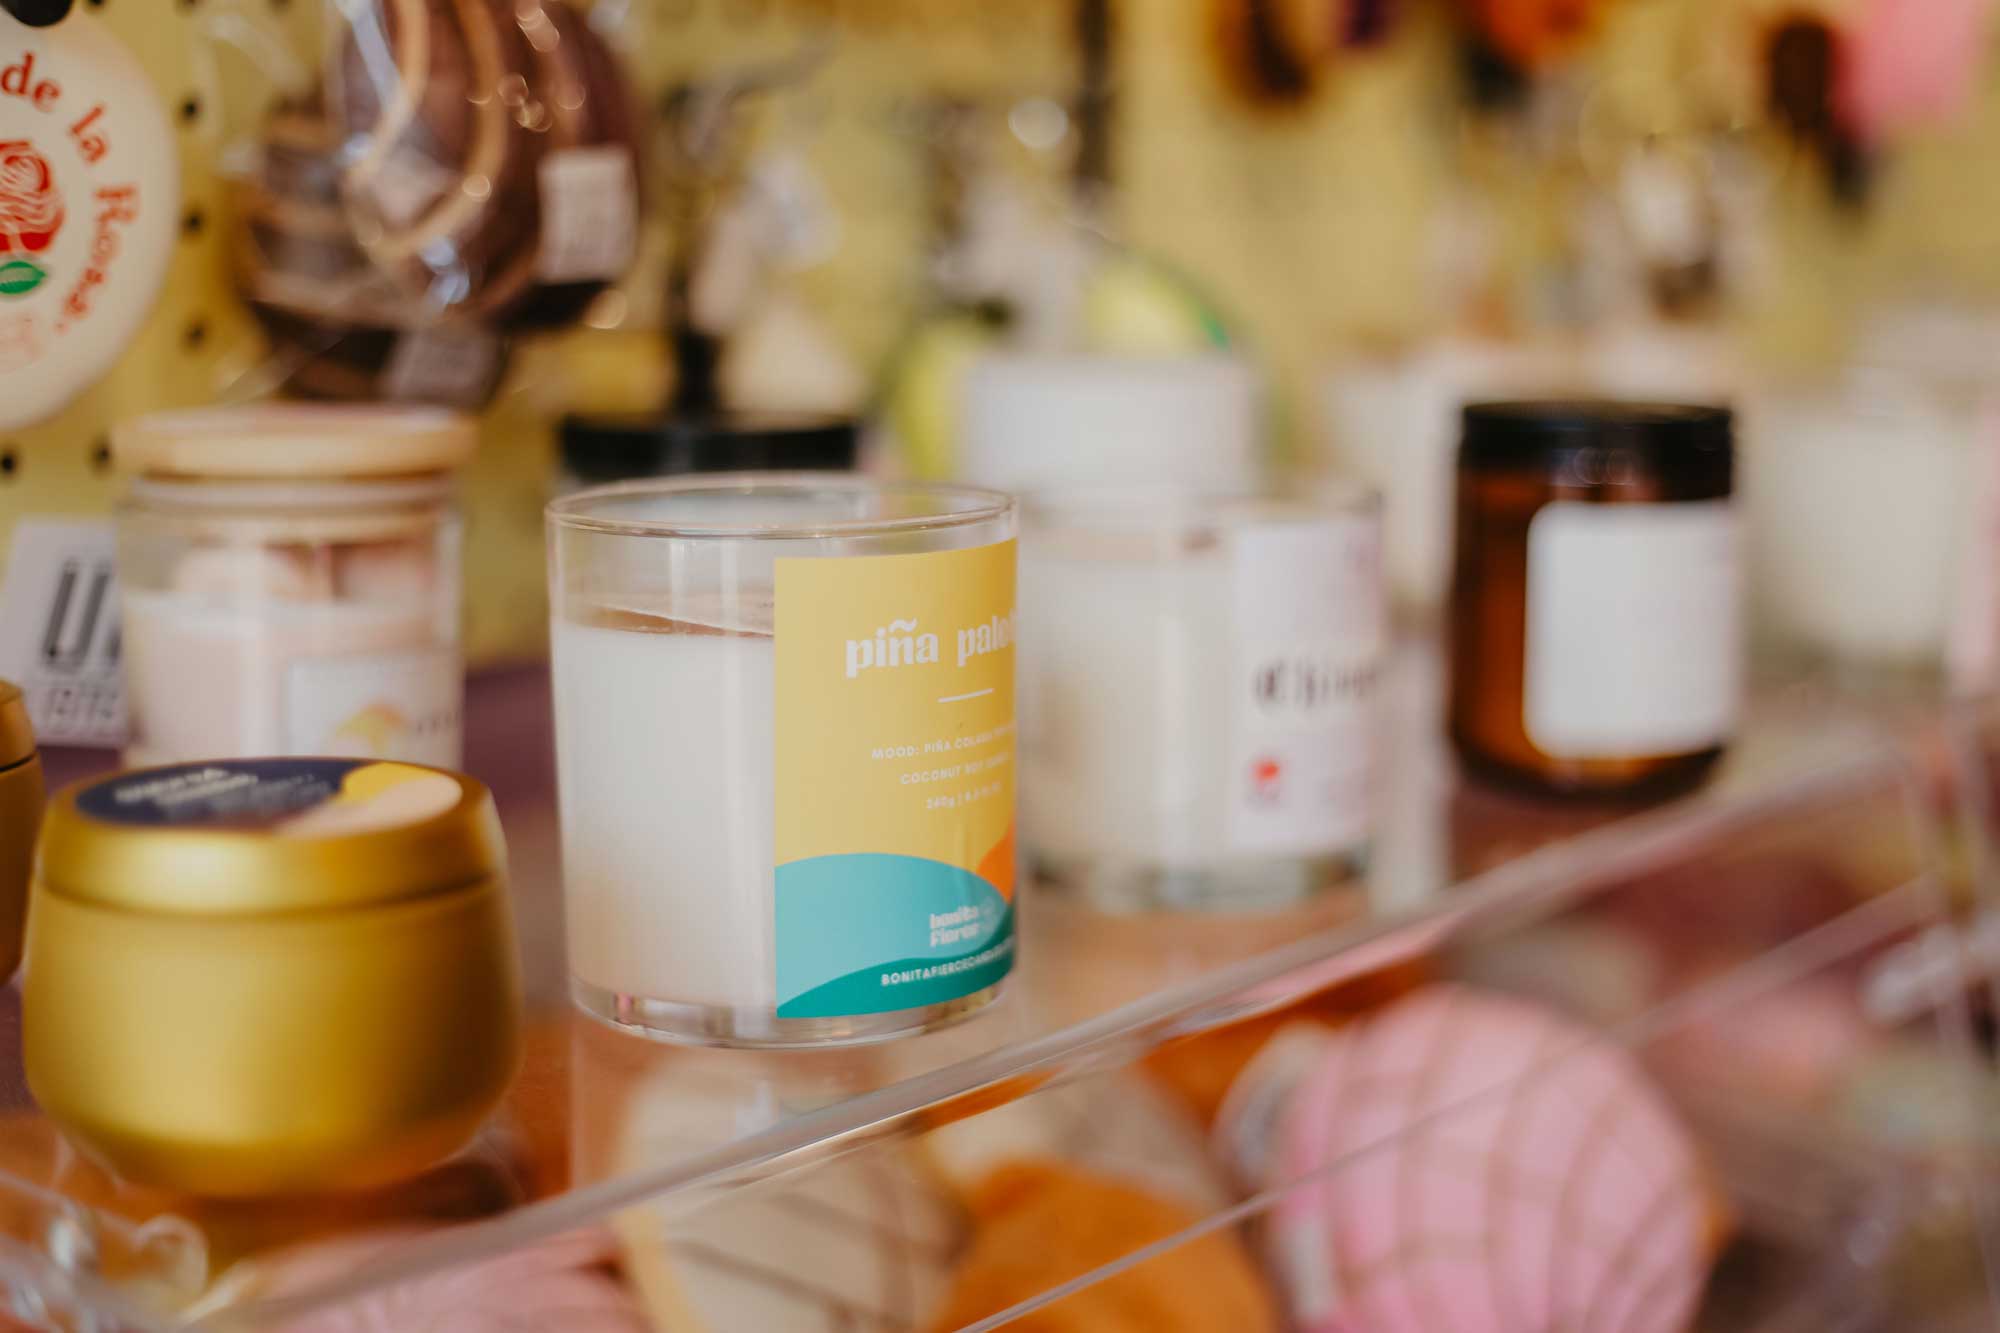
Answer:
(89, 196)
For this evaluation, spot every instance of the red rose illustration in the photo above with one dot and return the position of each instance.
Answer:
(31, 210)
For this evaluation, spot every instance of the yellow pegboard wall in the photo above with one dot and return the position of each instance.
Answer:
(199, 340)
(1309, 224)
(198, 335)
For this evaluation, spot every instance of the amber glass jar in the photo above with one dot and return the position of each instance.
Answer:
(1595, 634)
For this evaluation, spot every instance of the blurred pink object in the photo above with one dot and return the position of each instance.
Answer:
(1501, 1170)
(1909, 62)
(564, 1283)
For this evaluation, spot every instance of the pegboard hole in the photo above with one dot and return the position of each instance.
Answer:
(10, 461)
(195, 334)
(190, 109)
(100, 455)
(192, 222)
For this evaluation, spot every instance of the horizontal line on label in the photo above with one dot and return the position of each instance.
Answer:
(957, 698)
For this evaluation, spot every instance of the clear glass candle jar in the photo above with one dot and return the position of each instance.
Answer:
(785, 743)
(289, 583)
(1596, 641)
(1199, 696)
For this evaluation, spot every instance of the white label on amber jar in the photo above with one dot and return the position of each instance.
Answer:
(1307, 651)
(376, 706)
(590, 220)
(1632, 629)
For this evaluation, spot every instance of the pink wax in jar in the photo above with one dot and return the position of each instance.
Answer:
(289, 582)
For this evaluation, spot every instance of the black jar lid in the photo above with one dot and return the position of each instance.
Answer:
(618, 448)
(1670, 440)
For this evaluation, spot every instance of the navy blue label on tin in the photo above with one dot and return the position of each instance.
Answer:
(221, 793)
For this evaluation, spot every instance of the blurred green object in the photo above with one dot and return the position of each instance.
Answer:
(1127, 304)
(1139, 306)
(924, 385)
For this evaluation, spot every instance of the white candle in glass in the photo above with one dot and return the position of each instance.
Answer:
(1865, 498)
(758, 848)
(665, 758)
(1198, 681)
(1125, 701)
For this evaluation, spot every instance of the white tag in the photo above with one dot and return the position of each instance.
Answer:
(1633, 644)
(59, 630)
(377, 706)
(407, 183)
(450, 366)
(590, 218)
(1303, 1254)
(1309, 636)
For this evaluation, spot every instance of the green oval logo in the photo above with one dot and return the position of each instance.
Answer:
(18, 277)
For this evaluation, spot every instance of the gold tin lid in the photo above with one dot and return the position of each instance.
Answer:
(295, 441)
(241, 837)
(17, 734)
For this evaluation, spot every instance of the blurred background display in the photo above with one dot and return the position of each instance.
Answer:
(813, 206)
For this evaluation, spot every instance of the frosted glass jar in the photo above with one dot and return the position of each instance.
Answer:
(784, 713)
(289, 582)
(1199, 697)
(1875, 508)
(1040, 421)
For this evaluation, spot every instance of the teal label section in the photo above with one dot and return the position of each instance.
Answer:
(868, 933)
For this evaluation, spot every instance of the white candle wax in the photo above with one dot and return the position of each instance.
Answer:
(1125, 705)
(665, 755)
(250, 651)
(1198, 695)
(1865, 514)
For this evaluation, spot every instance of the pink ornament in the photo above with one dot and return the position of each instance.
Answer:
(1483, 1166)
(1905, 63)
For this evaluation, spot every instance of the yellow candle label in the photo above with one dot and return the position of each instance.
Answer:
(895, 779)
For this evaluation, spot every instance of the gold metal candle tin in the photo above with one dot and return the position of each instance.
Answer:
(20, 816)
(271, 976)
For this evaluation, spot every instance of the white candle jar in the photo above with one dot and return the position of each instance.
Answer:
(1875, 507)
(1199, 697)
(289, 583)
(785, 746)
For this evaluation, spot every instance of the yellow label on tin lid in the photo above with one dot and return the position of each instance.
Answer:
(894, 687)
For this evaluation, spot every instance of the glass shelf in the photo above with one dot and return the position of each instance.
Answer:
(1807, 880)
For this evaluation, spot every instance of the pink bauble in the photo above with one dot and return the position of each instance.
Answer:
(1484, 1166)
(1906, 63)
